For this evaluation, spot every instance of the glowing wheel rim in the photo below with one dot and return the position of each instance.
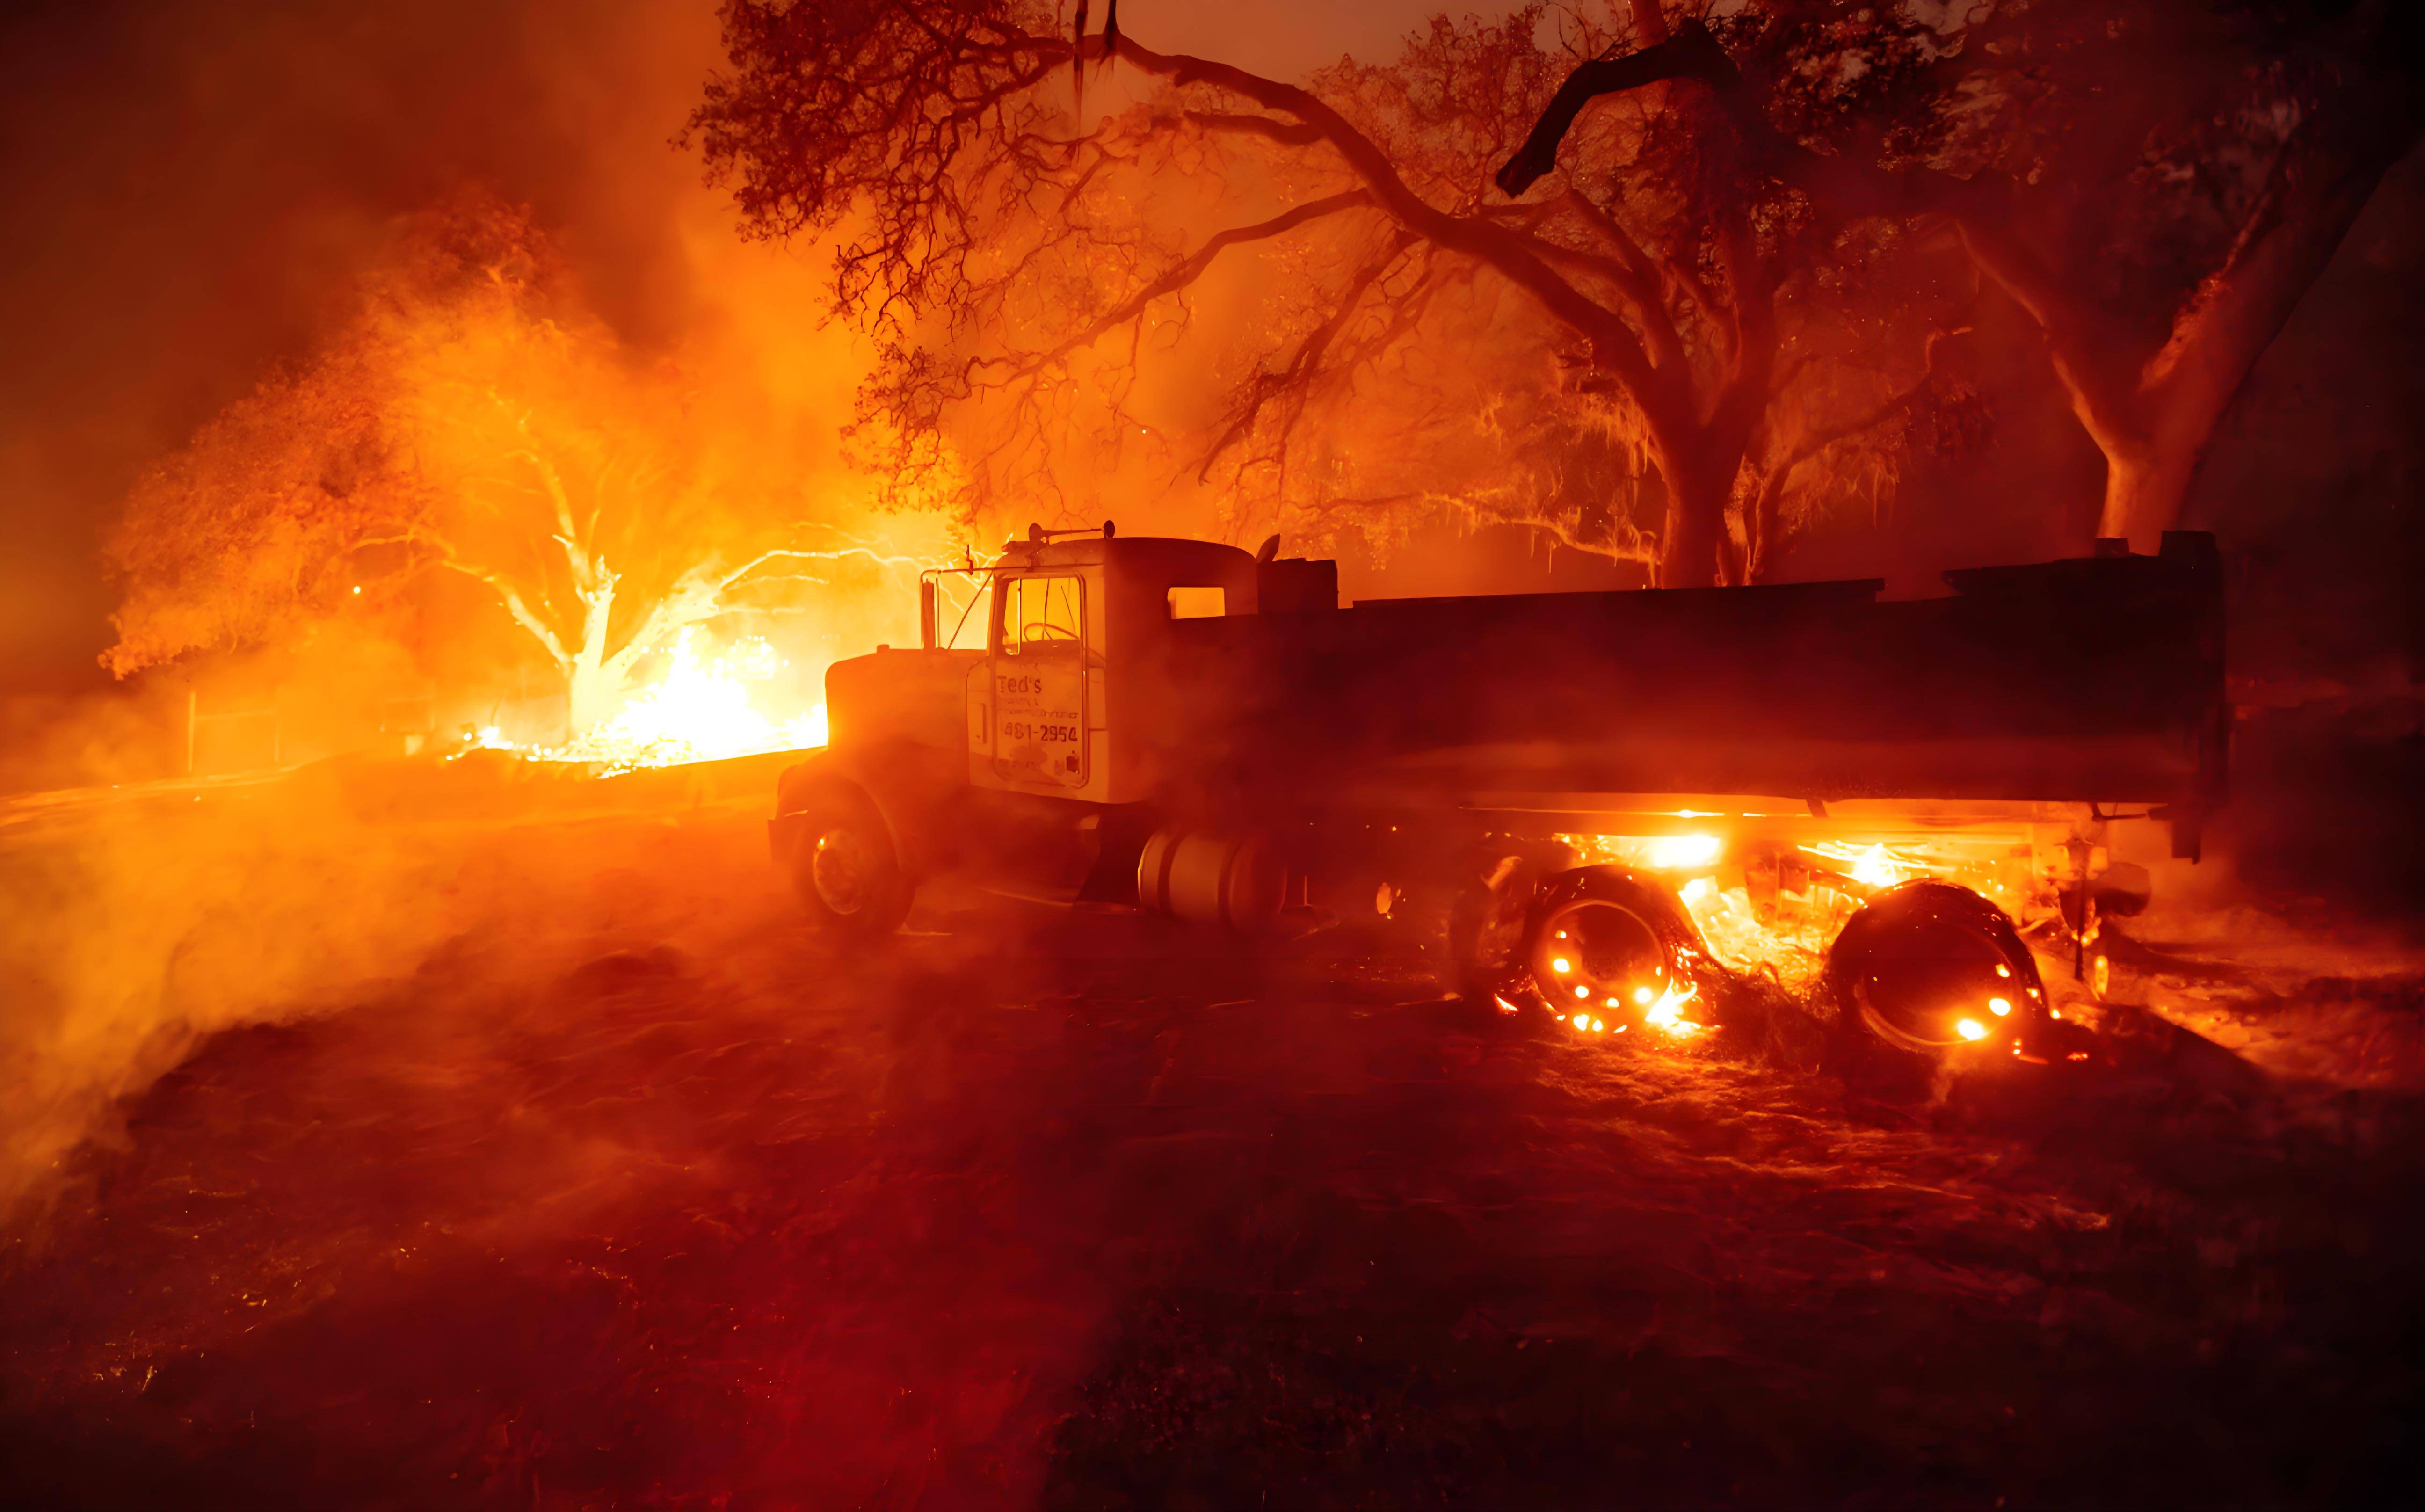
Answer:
(1592, 950)
(1930, 994)
(842, 871)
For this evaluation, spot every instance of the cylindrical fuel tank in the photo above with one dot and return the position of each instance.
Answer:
(1208, 878)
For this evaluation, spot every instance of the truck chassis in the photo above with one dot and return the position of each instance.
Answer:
(1615, 798)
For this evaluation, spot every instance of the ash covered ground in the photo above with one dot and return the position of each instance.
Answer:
(550, 1163)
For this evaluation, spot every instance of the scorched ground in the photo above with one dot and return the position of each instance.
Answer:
(603, 1184)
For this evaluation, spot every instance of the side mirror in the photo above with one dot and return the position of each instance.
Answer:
(926, 613)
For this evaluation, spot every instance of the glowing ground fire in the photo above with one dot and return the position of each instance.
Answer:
(1772, 906)
(701, 708)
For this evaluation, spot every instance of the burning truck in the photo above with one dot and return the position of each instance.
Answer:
(1614, 797)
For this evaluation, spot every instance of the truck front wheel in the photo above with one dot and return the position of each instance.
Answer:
(845, 867)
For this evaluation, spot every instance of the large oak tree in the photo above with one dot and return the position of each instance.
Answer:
(1358, 317)
(469, 417)
(2157, 183)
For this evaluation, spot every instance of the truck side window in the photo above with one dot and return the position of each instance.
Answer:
(1198, 603)
(1042, 615)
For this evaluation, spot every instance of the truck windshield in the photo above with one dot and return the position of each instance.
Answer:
(1042, 615)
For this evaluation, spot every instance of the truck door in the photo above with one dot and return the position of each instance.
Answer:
(1039, 682)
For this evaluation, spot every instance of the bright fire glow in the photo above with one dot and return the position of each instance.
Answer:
(1668, 1012)
(701, 708)
(1789, 943)
(1653, 853)
(1675, 852)
(701, 711)
(1871, 864)
(1873, 868)
(1772, 906)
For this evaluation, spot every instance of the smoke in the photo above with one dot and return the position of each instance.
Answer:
(190, 188)
(195, 194)
(132, 926)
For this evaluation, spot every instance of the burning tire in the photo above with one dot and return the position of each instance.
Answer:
(1603, 941)
(846, 866)
(1929, 967)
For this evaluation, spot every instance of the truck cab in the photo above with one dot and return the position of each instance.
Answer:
(1075, 629)
(1032, 712)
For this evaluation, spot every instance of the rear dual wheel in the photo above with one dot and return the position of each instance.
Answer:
(1608, 943)
(1597, 941)
(1928, 967)
(1593, 953)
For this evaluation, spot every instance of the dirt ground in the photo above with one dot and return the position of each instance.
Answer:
(564, 1170)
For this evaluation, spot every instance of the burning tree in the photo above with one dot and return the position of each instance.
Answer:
(2156, 183)
(471, 418)
(1397, 329)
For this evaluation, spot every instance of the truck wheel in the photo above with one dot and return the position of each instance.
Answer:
(1930, 968)
(1603, 939)
(846, 869)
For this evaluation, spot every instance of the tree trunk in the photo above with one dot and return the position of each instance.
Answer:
(2144, 487)
(593, 683)
(1700, 477)
(593, 695)
(2154, 419)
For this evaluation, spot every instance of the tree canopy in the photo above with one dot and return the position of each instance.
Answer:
(1663, 281)
(1311, 301)
(2157, 183)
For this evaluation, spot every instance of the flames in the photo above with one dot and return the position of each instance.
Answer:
(1788, 944)
(703, 706)
(1649, 853)
(1667, 1014)
(701, 709)
(1770, 907)
(1872, 866)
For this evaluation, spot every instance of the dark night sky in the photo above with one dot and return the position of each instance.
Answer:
(187, 183)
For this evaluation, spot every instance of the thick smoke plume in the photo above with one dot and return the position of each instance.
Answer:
(286, 155)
